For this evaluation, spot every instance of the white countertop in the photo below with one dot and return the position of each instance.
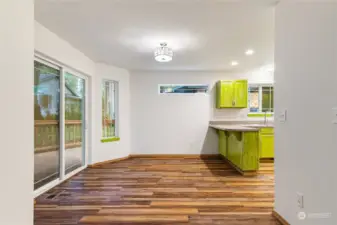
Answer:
(234, 127)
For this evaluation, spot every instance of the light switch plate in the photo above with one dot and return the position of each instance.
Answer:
(334, 115)
(300, 200)
(283, 116)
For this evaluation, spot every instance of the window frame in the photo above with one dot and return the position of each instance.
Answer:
(184, 94)
(260, 87)
(116, 111)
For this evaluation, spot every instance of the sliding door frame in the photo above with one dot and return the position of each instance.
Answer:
(85, 121)
(62, 176)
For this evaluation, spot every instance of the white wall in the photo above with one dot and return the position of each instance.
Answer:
(305, 85)
(119, 149)
(179, 124)
(50, 45)
(56, 49)
(16, 82)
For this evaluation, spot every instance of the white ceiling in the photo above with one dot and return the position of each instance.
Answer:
(206, 35)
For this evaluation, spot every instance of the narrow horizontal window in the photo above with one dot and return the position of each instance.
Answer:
(182, 89)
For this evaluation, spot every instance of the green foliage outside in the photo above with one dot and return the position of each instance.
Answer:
(267, 99)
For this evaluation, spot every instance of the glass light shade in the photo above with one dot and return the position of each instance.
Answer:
(163, 58)
(163, 54)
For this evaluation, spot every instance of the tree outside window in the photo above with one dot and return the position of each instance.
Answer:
(261, 98)
(109, 109)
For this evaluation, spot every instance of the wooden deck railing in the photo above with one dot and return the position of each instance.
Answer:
(47, 135)
(108, 128)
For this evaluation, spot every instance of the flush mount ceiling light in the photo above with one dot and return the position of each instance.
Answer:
(234, 63)
(163, 53)
(250, 52)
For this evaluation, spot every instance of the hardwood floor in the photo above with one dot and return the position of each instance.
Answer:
(161, 191)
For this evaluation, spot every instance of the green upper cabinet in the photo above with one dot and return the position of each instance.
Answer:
(224, 92)
(241, 93)
(232, 94)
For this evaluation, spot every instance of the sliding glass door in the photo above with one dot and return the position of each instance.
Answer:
(74, 122)
(59, 124)
(46, 123)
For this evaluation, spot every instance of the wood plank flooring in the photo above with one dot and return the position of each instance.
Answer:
(161, 191)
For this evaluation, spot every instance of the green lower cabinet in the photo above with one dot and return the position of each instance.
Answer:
(251, 153)
(243, 150)
(267, 143)
(267, 146)
(231, 146)
(236, 156)
(223, 143)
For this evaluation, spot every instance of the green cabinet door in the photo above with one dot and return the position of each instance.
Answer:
(250, 156)
(267, 145)
(224, 90)
(223, 143)
(232, 94)
(240, 93)
(243, 150)
(231, 146)
(237, 148)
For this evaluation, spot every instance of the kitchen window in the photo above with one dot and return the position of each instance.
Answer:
(109, 111)
(261, 99)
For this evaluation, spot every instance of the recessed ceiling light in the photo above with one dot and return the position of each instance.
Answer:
(250, 52)
(234, 63)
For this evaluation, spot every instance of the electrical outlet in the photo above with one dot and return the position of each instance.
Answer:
(300, 200)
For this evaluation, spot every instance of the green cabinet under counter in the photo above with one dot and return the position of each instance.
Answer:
(232, 94)
(223, 142)
(267, 143)
(241, 149)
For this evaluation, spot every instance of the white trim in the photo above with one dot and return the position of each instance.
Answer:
(268, 113)
(260, 98)
(46, 62)
(55, 62)
(56, 182)
(74, 172)
(62, 153)
(116, 107)
(86, 123)
(261, 84)
(46, 187)
(75, 73)
(185, 94)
